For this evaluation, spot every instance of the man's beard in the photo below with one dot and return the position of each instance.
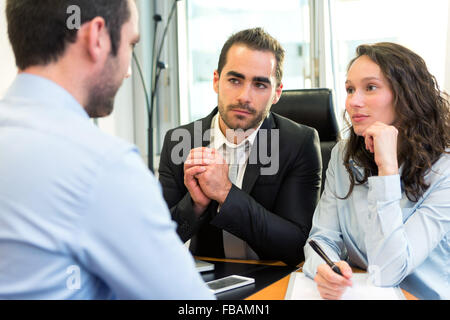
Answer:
(255, 118)
(102, 93)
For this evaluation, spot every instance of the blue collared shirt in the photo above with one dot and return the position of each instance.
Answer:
(378, 229)
(81, 217)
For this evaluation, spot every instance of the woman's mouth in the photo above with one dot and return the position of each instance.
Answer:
(359, 117)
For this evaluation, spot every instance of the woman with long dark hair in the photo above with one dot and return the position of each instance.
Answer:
(386, 202)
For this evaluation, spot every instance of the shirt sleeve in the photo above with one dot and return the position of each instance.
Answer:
(325, 229)
(128, 240)
(396, 247)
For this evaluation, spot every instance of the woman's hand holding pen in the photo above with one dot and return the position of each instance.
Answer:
(330, 284)
(381, 139)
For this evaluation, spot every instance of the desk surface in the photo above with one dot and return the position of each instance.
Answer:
(265, 274)
(277, 290)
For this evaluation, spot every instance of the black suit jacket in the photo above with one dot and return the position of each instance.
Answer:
(272, 213)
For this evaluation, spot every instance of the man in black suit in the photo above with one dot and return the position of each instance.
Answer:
(244, 182)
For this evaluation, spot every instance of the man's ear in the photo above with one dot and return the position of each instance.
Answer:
(97, 39)
(216, 81)
(278, 92)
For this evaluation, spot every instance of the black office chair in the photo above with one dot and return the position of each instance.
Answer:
(314, 108)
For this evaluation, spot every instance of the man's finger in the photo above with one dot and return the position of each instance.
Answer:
(194, 171)
(198, 162)
(200, 156)
(202, 152)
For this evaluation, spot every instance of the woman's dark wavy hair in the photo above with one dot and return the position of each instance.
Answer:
(422, 113)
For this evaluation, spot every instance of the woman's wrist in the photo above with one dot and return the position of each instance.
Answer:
(387, 171)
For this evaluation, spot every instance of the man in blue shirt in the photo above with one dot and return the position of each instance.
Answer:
(81, 216)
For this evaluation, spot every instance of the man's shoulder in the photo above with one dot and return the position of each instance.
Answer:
(194, 130)
(294, 129)
(189, 126)
(30, 120)
(199, 123)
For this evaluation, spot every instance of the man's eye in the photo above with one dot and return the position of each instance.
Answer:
(233, 81)
(261, 85)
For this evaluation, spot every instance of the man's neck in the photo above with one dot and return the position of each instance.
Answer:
(60, 76)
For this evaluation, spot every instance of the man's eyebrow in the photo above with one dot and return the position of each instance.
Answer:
(261, 79)
(235, 74)
(241, 76)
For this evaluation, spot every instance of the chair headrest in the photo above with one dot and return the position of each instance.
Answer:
(311, 107)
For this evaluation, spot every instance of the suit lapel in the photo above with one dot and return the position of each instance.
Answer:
(253, 170)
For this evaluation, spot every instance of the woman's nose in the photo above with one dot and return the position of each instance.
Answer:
(355, 99)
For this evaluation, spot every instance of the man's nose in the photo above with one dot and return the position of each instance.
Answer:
(244, 96)
(129, 72)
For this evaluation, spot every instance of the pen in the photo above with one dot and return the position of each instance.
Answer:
(322, 254)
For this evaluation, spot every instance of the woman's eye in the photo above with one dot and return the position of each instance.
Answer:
(371, 87)
(349, 90)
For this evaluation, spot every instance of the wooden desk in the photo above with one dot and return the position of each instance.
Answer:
(277, 290)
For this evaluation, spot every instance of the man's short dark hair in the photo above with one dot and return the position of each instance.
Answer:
(256, 39)
(39, 32)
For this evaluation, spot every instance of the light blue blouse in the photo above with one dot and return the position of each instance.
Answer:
(378, 229)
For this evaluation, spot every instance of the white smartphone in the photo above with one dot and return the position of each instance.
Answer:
(203, 266)
(228, 283)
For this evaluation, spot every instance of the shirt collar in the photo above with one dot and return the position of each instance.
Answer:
(39, 89)
(218, 138)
